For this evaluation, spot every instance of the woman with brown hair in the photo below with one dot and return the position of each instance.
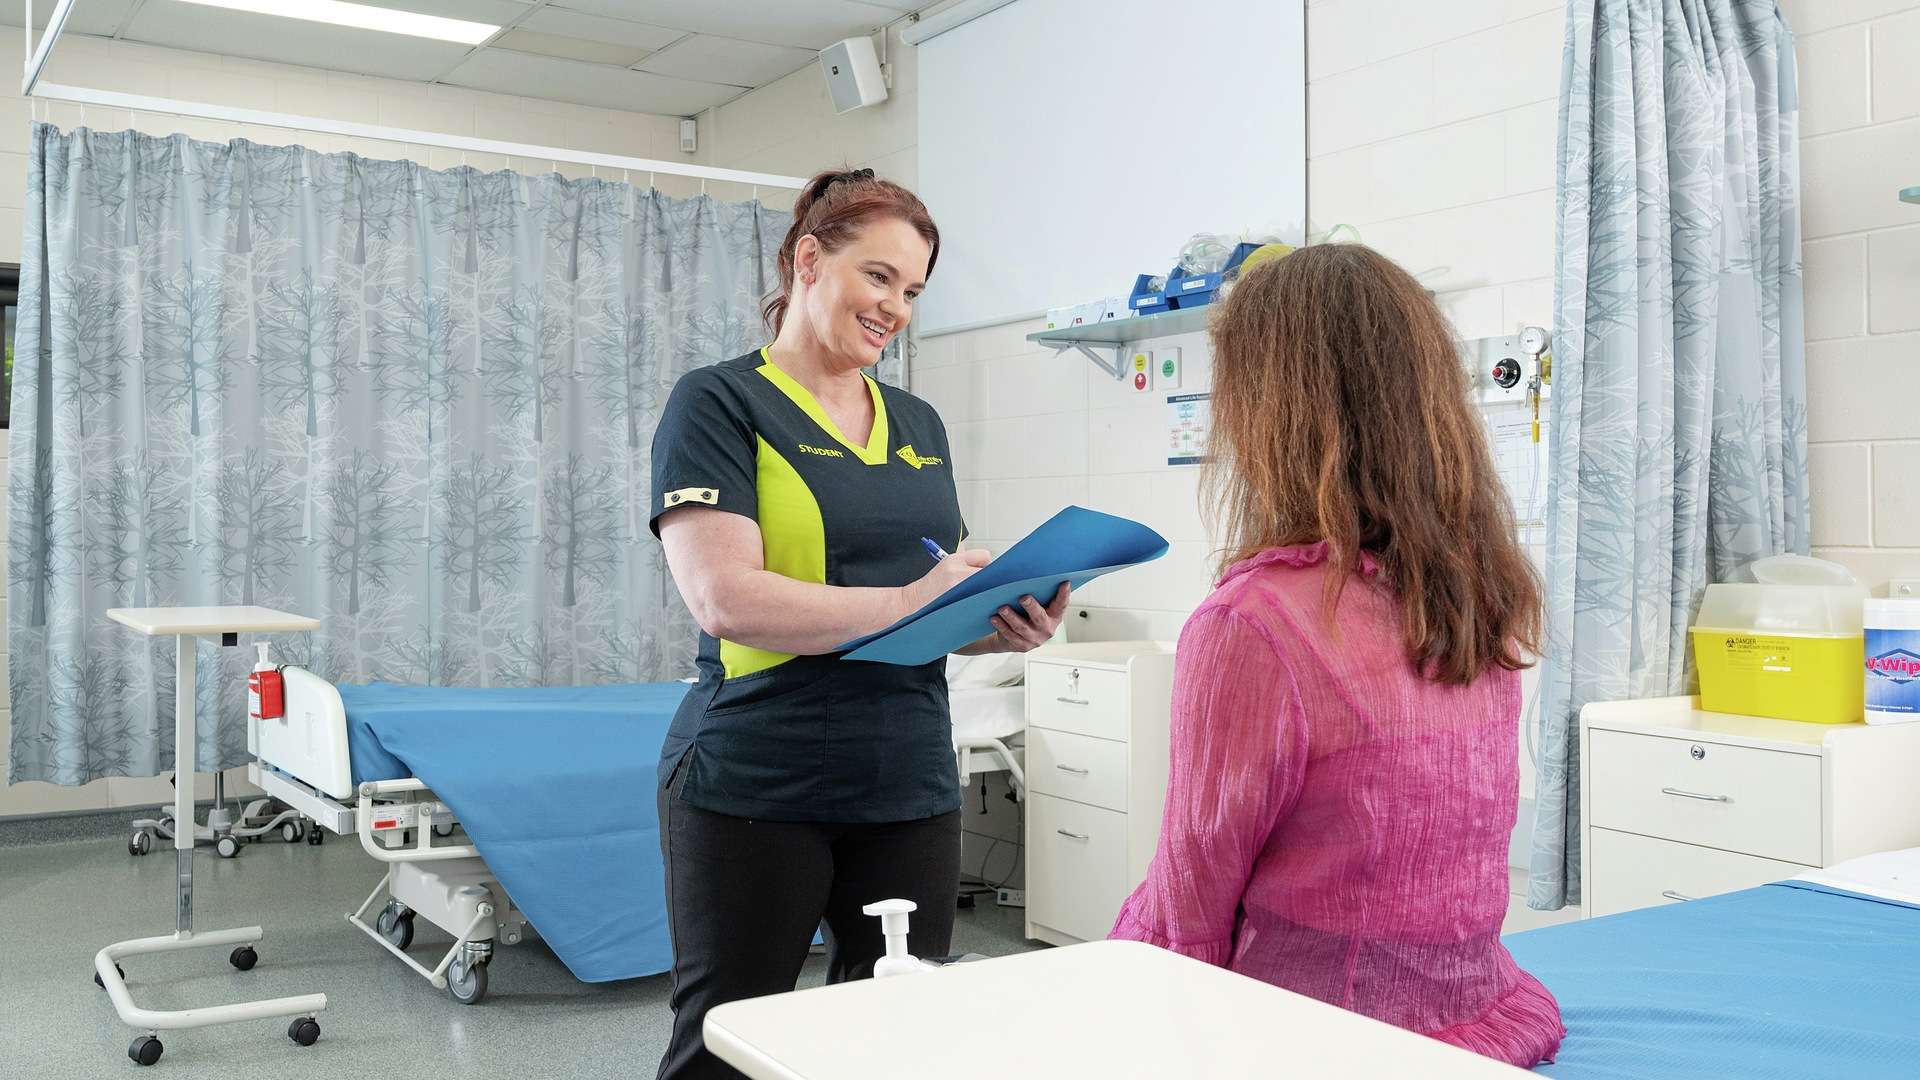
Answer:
(1344, 760)
(791, 495)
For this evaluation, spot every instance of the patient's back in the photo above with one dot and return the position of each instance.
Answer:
(1374, 828)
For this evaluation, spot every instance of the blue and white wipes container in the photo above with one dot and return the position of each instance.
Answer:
(1892, 627)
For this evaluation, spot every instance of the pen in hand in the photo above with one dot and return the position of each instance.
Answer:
(933, 549)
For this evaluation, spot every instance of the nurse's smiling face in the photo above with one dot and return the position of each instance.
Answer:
(858, 298)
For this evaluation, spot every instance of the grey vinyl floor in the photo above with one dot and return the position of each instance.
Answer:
(61, 902)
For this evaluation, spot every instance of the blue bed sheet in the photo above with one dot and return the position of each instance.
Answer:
(1787, 980)
(555, 785)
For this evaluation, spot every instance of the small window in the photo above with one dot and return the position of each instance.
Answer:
(10, 307)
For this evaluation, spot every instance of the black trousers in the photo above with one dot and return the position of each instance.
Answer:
(745, 896)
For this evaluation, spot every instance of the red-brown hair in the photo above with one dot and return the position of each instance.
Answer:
(1340, 413)
(833, 208)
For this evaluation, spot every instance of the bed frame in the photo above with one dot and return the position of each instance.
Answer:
(304, 760)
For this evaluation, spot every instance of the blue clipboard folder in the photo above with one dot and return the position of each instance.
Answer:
(1074, 546)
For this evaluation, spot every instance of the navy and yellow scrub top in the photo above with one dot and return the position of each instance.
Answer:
(811, 738)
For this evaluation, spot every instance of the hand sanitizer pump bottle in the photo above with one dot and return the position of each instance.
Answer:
(893, 926)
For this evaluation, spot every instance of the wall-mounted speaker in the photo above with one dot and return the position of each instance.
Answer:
(853, 74)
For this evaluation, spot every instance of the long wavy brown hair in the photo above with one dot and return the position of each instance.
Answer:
(1340, 413)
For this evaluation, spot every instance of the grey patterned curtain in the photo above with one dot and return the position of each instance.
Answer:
(414, 404)
(1679, 417)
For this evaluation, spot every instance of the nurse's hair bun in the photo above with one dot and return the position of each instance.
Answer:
(832, 208)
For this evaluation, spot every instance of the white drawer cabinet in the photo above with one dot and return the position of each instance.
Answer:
(1677, 804)
(1096, 781)
(1077, 767)
(1076, 867)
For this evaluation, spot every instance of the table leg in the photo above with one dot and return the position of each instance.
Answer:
(184, 751)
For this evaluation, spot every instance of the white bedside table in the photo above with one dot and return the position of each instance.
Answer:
(1676, 803)
(184, 624)
(1097, 718)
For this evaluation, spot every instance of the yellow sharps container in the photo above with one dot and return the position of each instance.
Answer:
(1789, 645)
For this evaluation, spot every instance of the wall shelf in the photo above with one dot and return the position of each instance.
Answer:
(1117, 334)
(1911, 195)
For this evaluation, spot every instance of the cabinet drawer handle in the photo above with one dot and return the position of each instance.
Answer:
(1071, 769)
(1065, 700)
(1671, 895)
(1071, 835)
(1695, 795)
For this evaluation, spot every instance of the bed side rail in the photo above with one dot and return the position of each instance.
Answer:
(420, 815)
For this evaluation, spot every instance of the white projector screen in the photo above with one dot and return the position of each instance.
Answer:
(1067, 145)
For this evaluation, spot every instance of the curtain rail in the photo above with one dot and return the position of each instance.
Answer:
(80, 95)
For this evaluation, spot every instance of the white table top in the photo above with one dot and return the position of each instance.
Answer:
(198, 621)
(1103, 1010)
(1682, 718)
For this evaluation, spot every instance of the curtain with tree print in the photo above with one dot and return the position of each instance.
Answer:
(1679, 405)
(414, 404)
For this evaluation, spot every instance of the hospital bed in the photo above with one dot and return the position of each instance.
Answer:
(1816, 976)
(551, 787)
(989, 716)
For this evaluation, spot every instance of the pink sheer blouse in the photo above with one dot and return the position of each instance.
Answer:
(1336, 824)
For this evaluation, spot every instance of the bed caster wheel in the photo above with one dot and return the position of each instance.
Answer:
(227, 846)
(140, 843)
(145, 1050)
(316, 836)
(243, 958)
(396, 925)
(467, 983)
(305, 1031)
(101, 983)
(290, 832)
(443, 831)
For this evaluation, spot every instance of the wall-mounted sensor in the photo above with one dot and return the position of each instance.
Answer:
(689, 136)
(854, 78)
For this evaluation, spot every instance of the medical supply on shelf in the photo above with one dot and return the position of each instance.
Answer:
(1788, 645)
(1265, 253)
(1892, 645)
(1092, 311)
(1184, 289)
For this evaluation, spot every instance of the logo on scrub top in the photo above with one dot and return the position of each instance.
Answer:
(821, 451)
(1895, 666)
(907, 455)
(707, 496)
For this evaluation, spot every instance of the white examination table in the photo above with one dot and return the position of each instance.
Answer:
(1104, 1010)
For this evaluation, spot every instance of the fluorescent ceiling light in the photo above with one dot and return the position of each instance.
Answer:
(365, 17)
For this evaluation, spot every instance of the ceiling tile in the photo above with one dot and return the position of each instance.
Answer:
(498, 12)
(504, 71)
(553, 20)
(573, 48)
(727, 60)
(98, 17)
(801, 24)
(266, 37)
